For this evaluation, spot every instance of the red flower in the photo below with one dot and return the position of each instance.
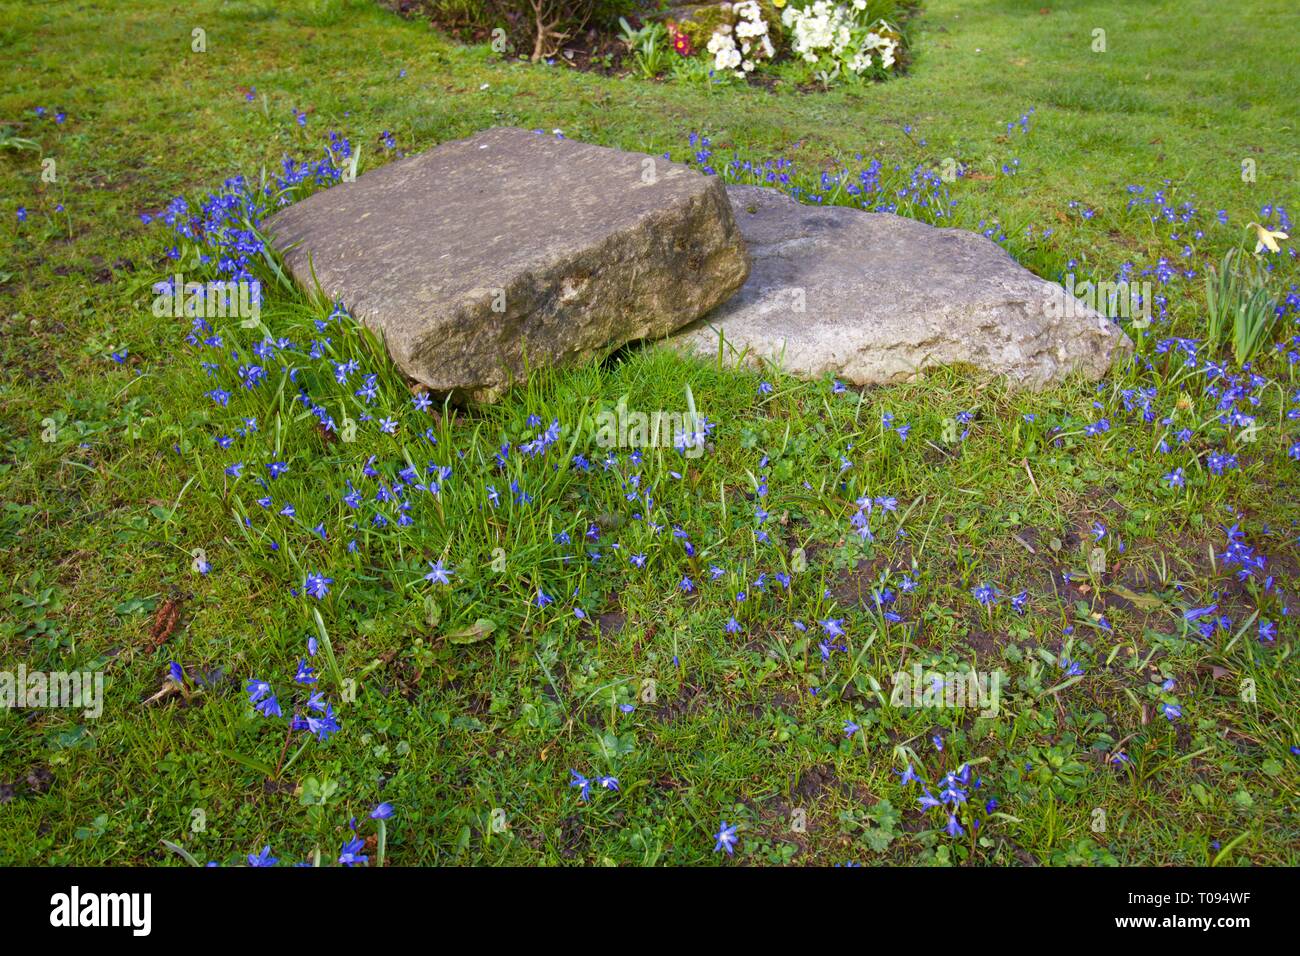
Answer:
(681, 42)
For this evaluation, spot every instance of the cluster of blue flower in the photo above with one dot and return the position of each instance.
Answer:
(350, 855)
(389, 503)
(311, 711)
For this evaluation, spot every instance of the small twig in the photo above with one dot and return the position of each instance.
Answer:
(284, 750)
(1025, 462)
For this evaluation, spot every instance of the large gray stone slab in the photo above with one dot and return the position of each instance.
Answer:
(873, 298)
(514, 250)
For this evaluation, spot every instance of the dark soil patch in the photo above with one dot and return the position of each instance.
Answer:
(274, 788)
(611, 622)
(573, 836)
(854, 587)
(984, 644)
(815, 781)
(687, 701)
(39, 780)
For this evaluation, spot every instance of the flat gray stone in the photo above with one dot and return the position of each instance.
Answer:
(884, 298)
(513, 250)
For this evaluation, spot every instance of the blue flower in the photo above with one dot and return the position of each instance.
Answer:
(263, 859)
(257, 689)
(833, 627)
(582, 783)
(317, 585)
(382, 812)
(321, 726)
(351, 852)
(726, 839)
(951, 793)
(438, 574)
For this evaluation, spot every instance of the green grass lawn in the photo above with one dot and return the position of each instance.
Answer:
(1131, 728)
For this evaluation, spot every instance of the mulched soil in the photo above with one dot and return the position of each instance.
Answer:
(593, 51)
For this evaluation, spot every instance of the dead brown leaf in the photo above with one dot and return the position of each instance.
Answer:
(165, 620)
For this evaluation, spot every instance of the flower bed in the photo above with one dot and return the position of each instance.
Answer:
(809, 44)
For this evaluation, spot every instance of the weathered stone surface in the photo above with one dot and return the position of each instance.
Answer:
(886, 297)
(511, 250)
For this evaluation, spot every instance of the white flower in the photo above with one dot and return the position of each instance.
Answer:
(822, 27)
(723, 48)
(750, 26)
